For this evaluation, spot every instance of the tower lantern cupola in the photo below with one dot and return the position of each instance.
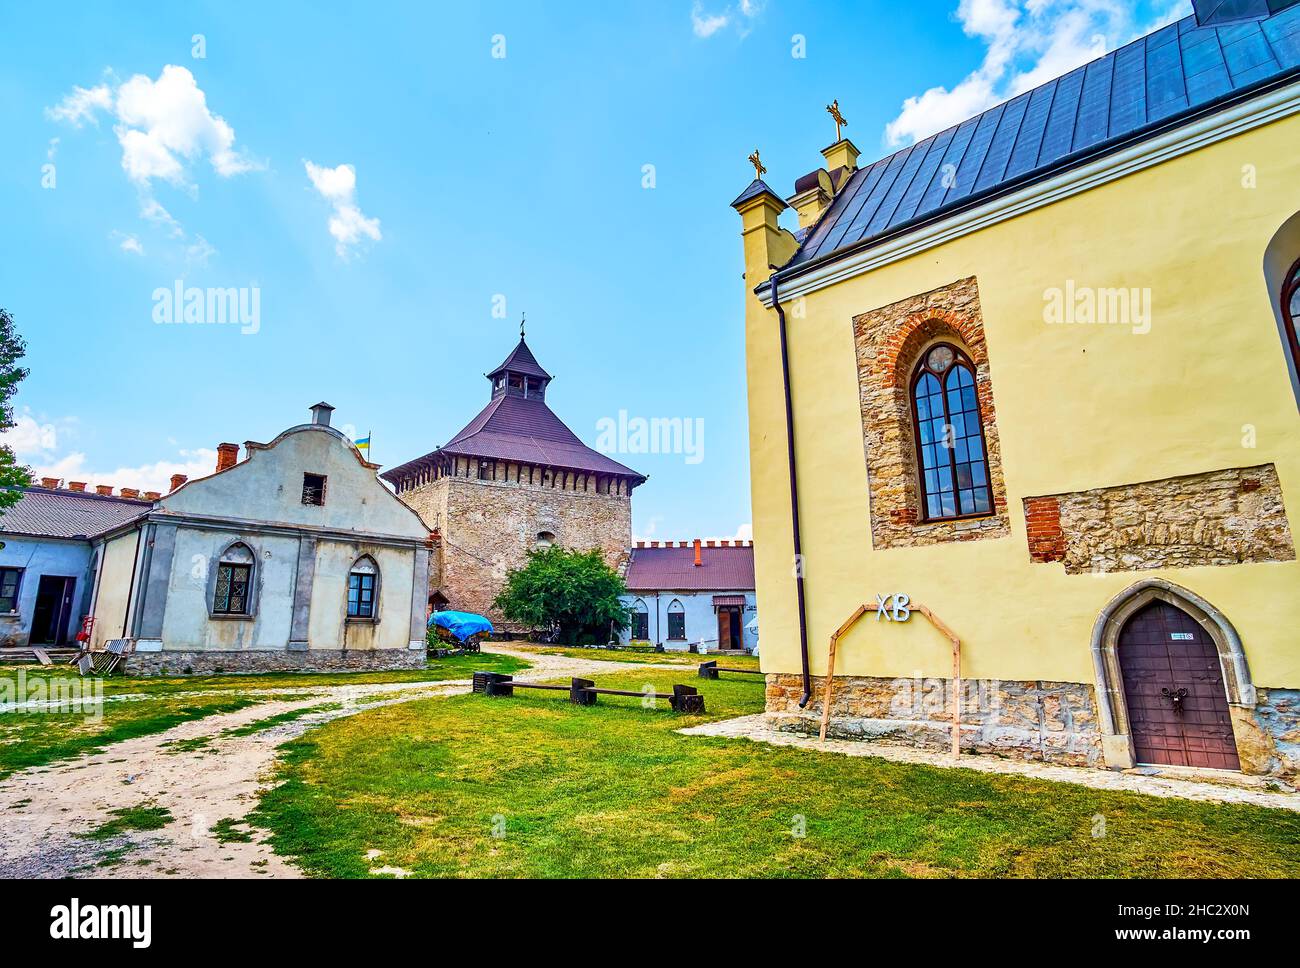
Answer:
(519, 375)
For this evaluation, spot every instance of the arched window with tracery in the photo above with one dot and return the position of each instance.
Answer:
(952, 457)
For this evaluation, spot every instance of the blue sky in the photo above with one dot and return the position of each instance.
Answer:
(468, 177)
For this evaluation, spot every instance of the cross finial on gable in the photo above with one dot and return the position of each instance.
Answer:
(833, 109)
(759, 170)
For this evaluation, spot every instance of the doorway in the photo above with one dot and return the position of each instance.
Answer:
(729, 631)
(53, 610)
(1174, 690)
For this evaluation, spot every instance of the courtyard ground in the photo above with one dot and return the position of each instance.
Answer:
(395, 775)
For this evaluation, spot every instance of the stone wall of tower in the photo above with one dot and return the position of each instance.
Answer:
(488, 527)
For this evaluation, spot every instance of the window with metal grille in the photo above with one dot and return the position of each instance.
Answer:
(362, 584)
(951, 456)
(676, 620)
(234, 575)
(313, 489)
(10, 580)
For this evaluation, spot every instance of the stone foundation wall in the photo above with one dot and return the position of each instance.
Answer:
(1277, 719)
(169, 663)
(1050, 721)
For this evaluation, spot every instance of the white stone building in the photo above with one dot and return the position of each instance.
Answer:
(294, 558)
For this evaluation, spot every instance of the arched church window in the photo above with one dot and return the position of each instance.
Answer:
(234, 578)
(676, 620)
(363, 588)
(952, 461)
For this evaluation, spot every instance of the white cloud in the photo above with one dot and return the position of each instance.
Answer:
(347, 224)
(36, 442)
(82, 105)
(1028, 42)
(146, 477)
(52, 149)
(29, 437)
(162, 126)
(744, 533)
(707, 24)
(151, 210)
(128, 243)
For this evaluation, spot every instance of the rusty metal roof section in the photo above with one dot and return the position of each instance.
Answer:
(727, 568)
(1160, 81)
(46, 513)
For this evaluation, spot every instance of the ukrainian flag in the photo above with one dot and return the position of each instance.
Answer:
(363, 443)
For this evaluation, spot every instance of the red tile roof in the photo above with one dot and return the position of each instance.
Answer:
(673, 569)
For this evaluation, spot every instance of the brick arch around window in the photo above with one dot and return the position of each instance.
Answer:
(889, 342)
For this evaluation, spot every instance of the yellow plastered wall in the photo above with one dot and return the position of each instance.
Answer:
(1078, 407)
(115, 587)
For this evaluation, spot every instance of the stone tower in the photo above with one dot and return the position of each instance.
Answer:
(515, 478)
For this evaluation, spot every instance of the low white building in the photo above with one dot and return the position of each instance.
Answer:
(295, 558)
(692, 594)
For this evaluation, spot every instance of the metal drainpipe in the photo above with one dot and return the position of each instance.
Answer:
(794, 491)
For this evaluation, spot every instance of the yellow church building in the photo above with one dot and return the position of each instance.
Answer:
(1036, 376)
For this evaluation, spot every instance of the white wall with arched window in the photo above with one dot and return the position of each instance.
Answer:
(363, 590)
(233, 582)
(676, 621)
(640, 615)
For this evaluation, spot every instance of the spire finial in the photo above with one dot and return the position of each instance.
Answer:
(523, 317)
(759, 170)
(833, 109)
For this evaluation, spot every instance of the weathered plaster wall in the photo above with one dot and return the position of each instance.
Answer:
(330, 626)
(267, 486)
(50, 556)
(114, 588)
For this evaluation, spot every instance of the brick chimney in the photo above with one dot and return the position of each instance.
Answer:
(227, 456)
(130, 492)
(51, 482)
(78, 486)
(153, 495)
(699, 558)
(177, 481)
(104, 489)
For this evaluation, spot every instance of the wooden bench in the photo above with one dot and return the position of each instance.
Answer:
(583, 692)
(710, 670)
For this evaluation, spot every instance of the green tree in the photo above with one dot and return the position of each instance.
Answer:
(12, 347)
(575, 590)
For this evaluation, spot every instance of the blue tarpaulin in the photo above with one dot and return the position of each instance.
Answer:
(460, 624)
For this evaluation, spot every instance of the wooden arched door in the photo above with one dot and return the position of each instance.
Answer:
(1173, 687)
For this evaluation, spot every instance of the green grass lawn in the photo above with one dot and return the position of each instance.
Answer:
(532, 786)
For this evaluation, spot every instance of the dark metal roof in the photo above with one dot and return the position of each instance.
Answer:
(673, 569)
(756, 187)
(521, 360)
(1226, 11)
(525, 430)
(1153, 83)
(68, 514)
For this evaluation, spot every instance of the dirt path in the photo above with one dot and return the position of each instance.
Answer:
(202, 774)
